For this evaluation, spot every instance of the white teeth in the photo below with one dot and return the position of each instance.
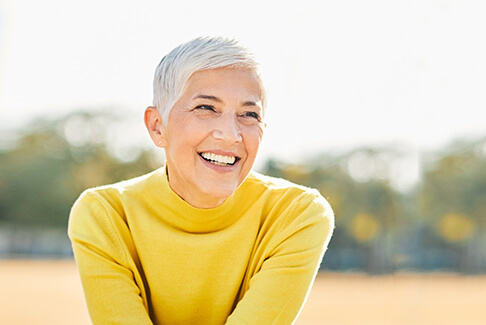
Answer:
(219, 159)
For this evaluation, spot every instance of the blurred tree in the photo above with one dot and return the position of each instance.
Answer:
(438, 224)
(364, 227)
(454, 181)
(366, 212)
(456, 227)
(453, 201)
(44, 173)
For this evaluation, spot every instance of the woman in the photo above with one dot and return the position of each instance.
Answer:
(202, 240)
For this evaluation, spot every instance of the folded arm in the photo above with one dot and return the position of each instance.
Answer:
(111, 290)
(278, 290)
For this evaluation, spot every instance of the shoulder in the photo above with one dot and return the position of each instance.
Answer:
(297, 201)
(126, 186)
(108, 201)
(277, 186)
(293, 214)
(283, 187)
(98, 218)
(120, 190)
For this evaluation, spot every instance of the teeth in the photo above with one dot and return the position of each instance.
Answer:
(219, 159)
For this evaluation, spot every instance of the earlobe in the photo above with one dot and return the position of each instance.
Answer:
(155, 126)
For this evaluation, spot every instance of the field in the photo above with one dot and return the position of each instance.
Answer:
(49, 293)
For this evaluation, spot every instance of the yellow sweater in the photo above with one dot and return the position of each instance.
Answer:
(145, 256)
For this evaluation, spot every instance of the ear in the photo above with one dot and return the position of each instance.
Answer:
(155, 126)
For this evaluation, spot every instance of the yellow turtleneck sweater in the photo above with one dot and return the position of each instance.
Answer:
(145, 256)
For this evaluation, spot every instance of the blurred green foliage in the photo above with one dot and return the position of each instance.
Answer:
(43, 174)
(396, 209)
(455, 182)
(437, 223)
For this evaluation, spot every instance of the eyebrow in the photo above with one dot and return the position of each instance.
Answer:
(210, 97)
(250, 103)
(218, 100)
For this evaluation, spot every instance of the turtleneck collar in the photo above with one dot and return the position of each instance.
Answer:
(188, 217)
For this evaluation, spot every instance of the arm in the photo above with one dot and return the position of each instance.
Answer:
(110, 287)
(278, 290)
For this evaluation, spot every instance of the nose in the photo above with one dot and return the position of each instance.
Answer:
(228, 129)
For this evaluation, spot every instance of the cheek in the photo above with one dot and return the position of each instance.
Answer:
(188, 130)
(253, 138)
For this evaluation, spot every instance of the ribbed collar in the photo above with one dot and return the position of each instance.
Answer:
(180, 214)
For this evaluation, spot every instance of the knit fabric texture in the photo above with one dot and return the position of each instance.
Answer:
(145, 256)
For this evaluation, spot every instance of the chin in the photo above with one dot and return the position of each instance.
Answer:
(220, 191)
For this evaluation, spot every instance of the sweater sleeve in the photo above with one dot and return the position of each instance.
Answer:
(112, 294)
(279, 289)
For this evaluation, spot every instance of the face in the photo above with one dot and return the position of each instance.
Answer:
(213, 134)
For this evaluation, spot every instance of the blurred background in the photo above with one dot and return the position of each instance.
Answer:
(378, 104)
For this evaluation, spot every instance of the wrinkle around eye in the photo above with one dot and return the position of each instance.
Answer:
(254, 116)
(250, 121)
(205, 107)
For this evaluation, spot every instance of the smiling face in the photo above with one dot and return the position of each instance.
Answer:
(212, 136)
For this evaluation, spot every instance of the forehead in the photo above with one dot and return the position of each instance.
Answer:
(226, 81)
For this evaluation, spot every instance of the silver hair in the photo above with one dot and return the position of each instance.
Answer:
(204, 53)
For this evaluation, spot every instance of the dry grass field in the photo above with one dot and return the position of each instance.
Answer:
(49, 293)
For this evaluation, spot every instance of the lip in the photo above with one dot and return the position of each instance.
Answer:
(221, 152)
(220, 169)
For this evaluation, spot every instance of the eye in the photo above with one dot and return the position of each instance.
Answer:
(206, 107)
(254, 115)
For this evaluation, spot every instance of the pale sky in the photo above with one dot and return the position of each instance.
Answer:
(339, 74)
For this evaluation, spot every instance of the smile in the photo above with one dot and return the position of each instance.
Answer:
(219, 160)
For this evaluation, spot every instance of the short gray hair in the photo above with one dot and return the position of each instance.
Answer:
(204, 53)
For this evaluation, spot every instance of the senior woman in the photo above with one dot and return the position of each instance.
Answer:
(203, 239)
